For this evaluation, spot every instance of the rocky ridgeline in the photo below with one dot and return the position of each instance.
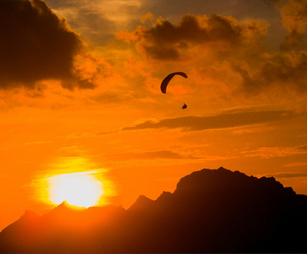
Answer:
(210, 211)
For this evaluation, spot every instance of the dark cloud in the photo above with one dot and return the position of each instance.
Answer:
(304, 147)
(197, 123)
(166, 41)
(36, 45)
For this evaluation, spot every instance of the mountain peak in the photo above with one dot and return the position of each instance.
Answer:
(224, 180)
(142, 203)
(66, 205)
(29, 215)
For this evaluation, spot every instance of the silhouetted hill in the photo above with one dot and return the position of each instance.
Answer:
(210, 211)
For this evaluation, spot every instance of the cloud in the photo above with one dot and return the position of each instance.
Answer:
(270, 152)
(287, 175)
(296, 164)
(152, 155)
(86, 18)
(198, 123)
(282, 71)
(304, 147)
(294, 19)
(97, 21)
(37, 45)
(165, 41)
(232, 55)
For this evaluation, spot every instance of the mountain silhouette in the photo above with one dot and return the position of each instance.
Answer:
(210, 211)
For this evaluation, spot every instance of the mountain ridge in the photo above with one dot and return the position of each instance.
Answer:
(209, 211)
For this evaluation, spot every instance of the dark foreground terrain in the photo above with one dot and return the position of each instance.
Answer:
(210, 211)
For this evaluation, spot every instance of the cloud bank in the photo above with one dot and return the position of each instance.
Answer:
(198, 123)
(234, 54)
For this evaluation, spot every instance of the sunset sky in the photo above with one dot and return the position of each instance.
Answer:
(80, 95)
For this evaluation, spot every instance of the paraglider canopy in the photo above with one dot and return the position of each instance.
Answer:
(168, 79)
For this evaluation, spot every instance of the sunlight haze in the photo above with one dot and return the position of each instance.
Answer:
(77, 189)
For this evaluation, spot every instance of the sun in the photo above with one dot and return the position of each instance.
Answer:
(81, 189)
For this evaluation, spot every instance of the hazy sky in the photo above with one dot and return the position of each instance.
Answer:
(80, 91)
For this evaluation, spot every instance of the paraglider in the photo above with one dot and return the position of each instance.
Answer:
(168, 79)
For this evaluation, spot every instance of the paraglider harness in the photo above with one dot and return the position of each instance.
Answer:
(184, 106)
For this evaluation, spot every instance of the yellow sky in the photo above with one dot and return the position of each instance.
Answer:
(80, 91)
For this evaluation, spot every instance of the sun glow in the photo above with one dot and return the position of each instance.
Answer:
(81, 189)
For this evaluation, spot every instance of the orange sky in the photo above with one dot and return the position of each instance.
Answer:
(80, 91)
